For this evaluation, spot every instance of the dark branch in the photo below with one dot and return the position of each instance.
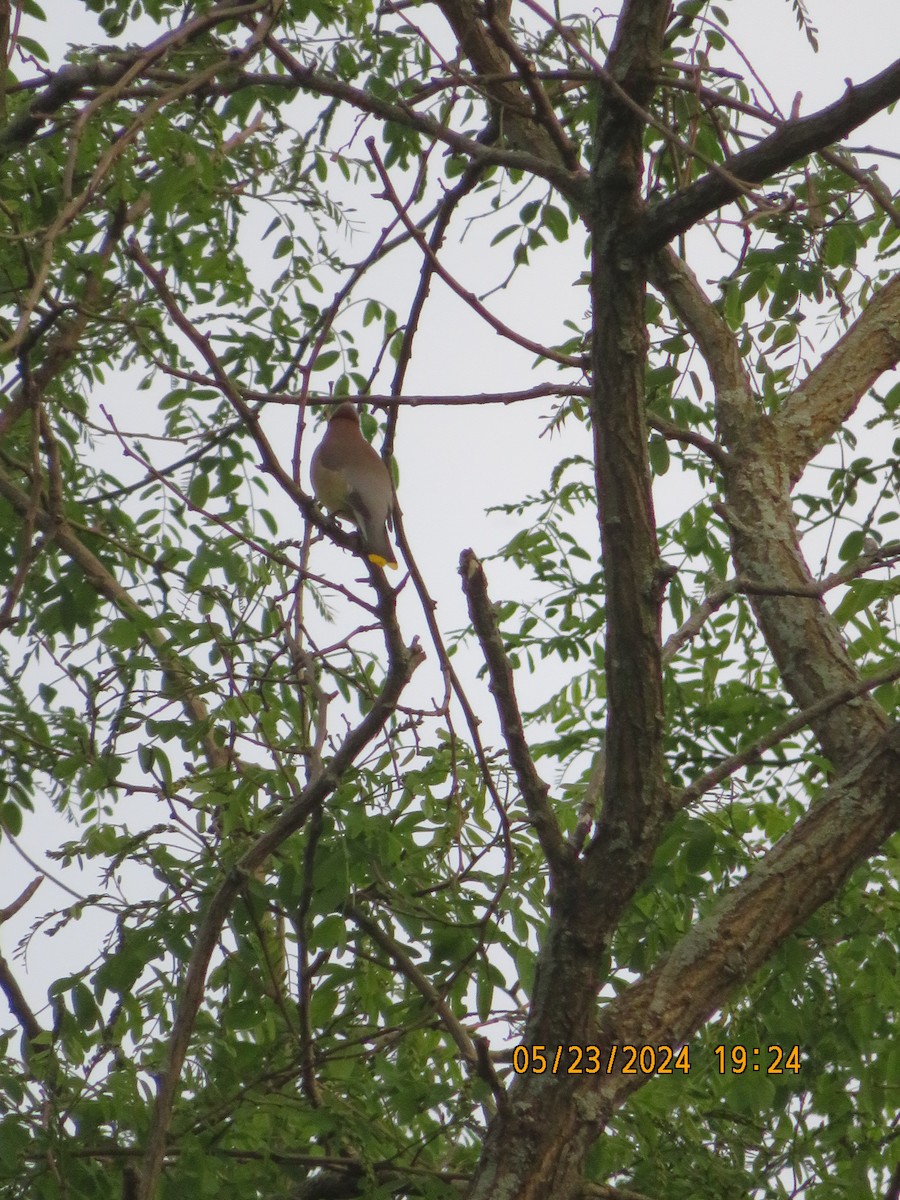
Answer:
(18, 1005)
(534, 791)
(470, 298)
(791, 142)
(68, 82)
(9, 985)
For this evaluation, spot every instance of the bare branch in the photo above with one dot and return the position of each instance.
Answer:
(525, 67)
(534, 791)
(473, 302)
(21, 900)
(18, 1005)
(831, 391)
(489, 53)
(15, 997)
(416, 400)
(448, 206)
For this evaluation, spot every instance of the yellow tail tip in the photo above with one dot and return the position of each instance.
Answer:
(382, 562)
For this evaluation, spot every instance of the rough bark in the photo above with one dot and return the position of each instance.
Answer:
(535, 1147)
(803, 636)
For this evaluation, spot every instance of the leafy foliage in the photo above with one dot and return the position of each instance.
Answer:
(200, 715)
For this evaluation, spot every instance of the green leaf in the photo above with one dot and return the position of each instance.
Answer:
(659, 455)
(11, 818)
(122, 634)
(555, 220)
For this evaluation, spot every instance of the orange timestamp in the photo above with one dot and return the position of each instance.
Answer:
(597, 1060)
(775, 1060)
(649, 1060)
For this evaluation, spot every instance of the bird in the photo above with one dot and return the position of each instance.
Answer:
(351, 480)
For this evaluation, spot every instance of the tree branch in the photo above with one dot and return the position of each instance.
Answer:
(15, 997)
(573, 186)
(64, 86)
(417, 978)
(792, 141)
(722, 952)
(473, 302)
(534, 791)
(62, 345)
(801, 720)
(543, 109)
(489, 53)
(72, 79)
(829, 394)
(535, 1151)
(402, 664)
(740, 586)
(18, 1005)
(177, 674)
(802, 634)
(635, 576)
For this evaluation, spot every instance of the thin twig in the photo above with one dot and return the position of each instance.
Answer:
(21, 900)
(417, 978)
(793, 725)
(472, 300)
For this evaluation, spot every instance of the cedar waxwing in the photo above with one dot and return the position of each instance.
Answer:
(350, 480)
